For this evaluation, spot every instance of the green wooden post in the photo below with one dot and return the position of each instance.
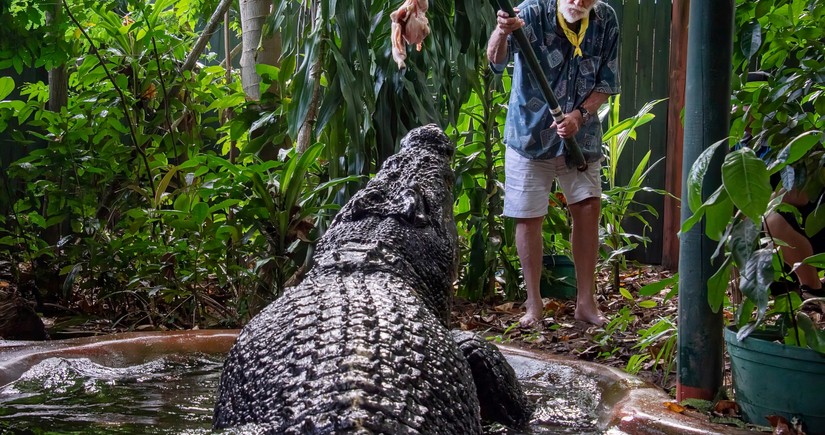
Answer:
(707, 119)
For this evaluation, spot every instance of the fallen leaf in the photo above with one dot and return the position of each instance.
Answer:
(553, 305)
(507, 307)
(780, 424)
(675, 407)
(726, 408)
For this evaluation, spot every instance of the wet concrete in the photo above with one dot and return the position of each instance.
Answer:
(621, 403)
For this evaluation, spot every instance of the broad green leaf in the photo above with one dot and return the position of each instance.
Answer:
(720, 195)
(815, 337)
(763, 7)
(696, 175)
(755, 280)
(815, 222)
(648, 304)
(37, 219)
(796, 149)
(182, 202)
(6, 86)
(718, 285)
(270, 72)
(224, 205)
(751, 39)
(742, 242)
(817, 260)
(656, 287)
(693, 219)
(199, 213)
(717, 217)
(744, 313)
(228, 232)
(747, 181)
(625, 293)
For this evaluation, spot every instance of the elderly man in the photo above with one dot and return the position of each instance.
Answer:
(576, 42)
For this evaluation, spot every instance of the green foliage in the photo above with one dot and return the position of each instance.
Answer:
(487, 240)
(618, 202)
(785, 115)
(745, 183)
(617, 325)
(366, 103)
(657, 347)
(129, 191)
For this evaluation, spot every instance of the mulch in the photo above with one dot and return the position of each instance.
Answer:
(560, 333)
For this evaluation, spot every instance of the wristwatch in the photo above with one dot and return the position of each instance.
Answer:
(585, 114)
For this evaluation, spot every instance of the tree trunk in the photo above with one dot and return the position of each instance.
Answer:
(207, 32)
(58, 99)
(253, 15)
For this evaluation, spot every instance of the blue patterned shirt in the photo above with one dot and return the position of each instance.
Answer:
(571, 78)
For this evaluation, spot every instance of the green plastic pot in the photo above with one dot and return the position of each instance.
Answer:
(558, 279)
(770, 378)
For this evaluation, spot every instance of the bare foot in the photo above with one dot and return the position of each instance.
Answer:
(535, 313)
(590, 314)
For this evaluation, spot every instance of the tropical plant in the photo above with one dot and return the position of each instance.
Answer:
(344, 82)
(657, 347)
(785, 115)
(487, 239)
(744, 242)
(618, 203)
(157, 222)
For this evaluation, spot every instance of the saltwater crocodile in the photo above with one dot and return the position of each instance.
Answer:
(362, 344)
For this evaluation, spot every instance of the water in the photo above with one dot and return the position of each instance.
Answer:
(175, 395)
(172, 395)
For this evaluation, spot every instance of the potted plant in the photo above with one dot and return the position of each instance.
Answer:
(558, 277)
(777, 353)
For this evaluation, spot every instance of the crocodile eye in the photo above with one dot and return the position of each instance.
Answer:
(414, 208)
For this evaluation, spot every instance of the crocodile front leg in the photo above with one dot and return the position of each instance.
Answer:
(500, 394)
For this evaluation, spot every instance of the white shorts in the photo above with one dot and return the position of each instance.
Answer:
(528, 184)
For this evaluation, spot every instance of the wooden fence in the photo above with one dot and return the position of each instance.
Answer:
(645, 68)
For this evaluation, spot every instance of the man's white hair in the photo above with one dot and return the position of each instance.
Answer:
(572, 13)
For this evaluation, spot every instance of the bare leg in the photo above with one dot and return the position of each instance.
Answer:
(798, 249)
(585, 242)
(530, 248)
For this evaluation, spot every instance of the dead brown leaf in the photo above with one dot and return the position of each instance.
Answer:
(781, 425)
(726, 408)
(675, 407)
(507, 307)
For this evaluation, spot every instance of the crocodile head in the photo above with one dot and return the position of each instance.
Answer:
(402, 221)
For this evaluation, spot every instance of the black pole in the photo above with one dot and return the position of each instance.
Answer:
(573, 149)
(707, 120)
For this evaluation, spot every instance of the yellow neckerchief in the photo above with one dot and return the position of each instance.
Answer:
(574, 39)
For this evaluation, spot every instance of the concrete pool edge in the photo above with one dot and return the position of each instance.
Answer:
(628, 404)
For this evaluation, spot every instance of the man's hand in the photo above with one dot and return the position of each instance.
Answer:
(570, 126)
(507, 24)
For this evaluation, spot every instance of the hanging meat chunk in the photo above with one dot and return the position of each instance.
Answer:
(409, 26)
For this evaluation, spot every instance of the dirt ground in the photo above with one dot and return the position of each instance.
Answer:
(639, 338)
(612, 344)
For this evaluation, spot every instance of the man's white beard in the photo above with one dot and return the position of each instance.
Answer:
(572, 13)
